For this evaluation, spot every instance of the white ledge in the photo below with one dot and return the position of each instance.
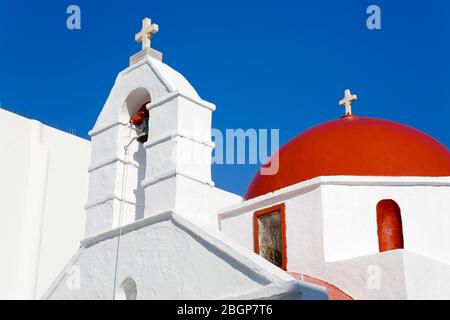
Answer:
(110, 161)
(172, 173)
(105, 127)
(305, 186)
(155, 141)
(126, 228)
(107, 199)
(176, 94)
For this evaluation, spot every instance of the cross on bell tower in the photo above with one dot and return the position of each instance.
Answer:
(347, 102)
(144, 36)
(146, 33)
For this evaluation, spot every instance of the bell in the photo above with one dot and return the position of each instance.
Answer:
(144, 134)
(143, 137)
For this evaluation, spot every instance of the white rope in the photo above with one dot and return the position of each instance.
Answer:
(122, 199)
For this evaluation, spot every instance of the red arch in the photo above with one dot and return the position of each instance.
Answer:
(389, 223)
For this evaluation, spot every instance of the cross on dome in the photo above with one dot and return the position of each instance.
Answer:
(146, 33)
(347, 102)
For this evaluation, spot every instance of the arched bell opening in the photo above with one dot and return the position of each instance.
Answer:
(135, 113)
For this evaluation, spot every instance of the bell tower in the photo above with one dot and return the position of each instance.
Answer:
(131, 178)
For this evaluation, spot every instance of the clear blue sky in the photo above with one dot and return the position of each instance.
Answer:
(278, 64)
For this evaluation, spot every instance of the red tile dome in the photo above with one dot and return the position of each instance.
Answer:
(355, 146)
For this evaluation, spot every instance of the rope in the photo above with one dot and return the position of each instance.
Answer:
(124, 177)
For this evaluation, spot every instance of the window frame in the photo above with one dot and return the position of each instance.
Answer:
(281, 208)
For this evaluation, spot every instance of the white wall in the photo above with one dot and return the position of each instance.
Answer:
(304, 233)
(238, 226)
(303, 226)
(176, 162)
(170, 258)
(398, 274)
(426, 278)
(374, 277)
(350, 227)
(331, 233)
(43, 190)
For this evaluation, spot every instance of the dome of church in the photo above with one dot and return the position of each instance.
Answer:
(354, 146)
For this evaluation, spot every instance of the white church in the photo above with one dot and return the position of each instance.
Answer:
(359, 207)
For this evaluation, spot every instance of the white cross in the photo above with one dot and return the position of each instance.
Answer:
(347, 102)
(146, 33)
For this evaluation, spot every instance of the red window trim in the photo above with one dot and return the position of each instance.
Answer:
(282, 209)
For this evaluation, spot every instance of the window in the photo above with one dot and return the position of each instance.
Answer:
(389, 223)
(270, 235)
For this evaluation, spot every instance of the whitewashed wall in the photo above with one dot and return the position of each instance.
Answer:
(303, 226)
(350, 226)
(331, 233)
(167, 257)
(174, 170)
(43, 189)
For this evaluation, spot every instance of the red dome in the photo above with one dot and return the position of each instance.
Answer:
(355, 146)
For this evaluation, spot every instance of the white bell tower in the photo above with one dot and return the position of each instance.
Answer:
(172, 170)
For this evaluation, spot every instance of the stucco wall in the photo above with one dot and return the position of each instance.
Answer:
(350, 226)
(331, 233)
(426, 278)
(398, 274)
(43, 191)
(374, 277)
(167, 257)
(303, 227)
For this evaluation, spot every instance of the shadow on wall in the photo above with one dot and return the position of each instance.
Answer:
(135, 100)
(140, 157)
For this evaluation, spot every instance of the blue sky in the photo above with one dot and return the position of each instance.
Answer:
(265, 64)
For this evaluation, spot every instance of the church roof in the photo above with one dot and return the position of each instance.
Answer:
(354, 146)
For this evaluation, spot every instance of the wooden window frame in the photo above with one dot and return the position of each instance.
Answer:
(282, 209)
